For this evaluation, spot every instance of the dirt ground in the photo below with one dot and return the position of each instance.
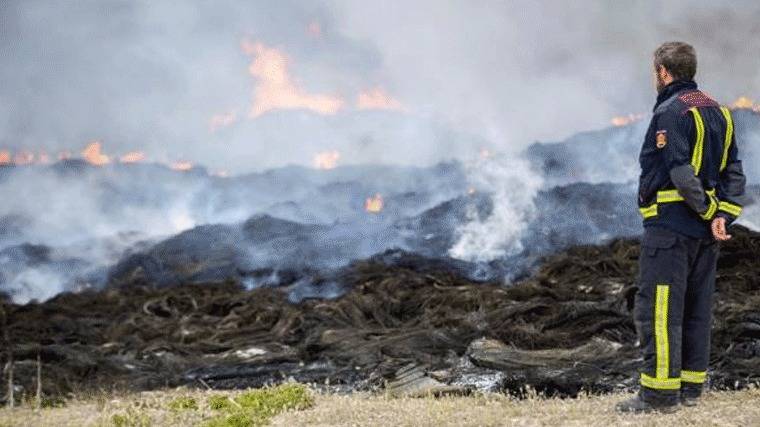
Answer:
(359, 409)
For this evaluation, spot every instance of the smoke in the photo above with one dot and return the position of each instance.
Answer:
(171, 79)
(512, 186)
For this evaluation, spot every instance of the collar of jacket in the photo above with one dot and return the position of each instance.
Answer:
(673, 88)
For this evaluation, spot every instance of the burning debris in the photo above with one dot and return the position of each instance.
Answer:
(326, 160)
(374, 204)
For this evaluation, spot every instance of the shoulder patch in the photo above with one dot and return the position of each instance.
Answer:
(661, 138)
(697, 98)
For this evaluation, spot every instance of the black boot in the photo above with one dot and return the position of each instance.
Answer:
(690, 394)
(638, 405)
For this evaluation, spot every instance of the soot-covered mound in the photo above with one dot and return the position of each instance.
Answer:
(568, 328)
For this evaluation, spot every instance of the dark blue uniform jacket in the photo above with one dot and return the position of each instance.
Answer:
(690, 167)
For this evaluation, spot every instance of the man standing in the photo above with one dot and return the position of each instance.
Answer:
(690, 190)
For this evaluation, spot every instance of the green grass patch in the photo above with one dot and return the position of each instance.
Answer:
(130, 418)
(183, 403)
(256, 407)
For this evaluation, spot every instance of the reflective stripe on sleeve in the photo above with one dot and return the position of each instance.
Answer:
(696, 157)
(730, 208)
(729, 136)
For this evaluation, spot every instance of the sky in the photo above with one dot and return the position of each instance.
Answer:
(241, 86)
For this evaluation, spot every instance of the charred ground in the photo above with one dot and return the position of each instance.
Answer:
(566, 329)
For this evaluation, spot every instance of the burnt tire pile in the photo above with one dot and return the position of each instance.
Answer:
(567, 329)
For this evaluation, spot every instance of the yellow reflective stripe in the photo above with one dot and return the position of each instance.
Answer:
(649, 211)
(666, 196)
(693, 376)
(729, 134)
(730, 208)
(696, 157)
(712, 208)
(662, 346)
(660, 383)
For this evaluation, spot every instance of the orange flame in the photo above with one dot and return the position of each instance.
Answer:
(744, 103)
(222, 120)
(92, 154)
(182, 166)
(326, 160)
(276, 90)
(5, 158)
(627, 120)
(471, 190)
(64, 155)
(377, 99)
(132, 157)
(374, 204)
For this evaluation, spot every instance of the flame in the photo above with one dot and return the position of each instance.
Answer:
(92, 154)
(745, 103)
(182, 166)
(222, 120)
(627, 120)
(374, 204)
(276, 90)
(485, 153)
(132, 157)
(377, 99)
(471, 190)
(64, 155)
(5, 158)
(326, 160)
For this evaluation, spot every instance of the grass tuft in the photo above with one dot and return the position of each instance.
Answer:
(183, 403)
(256, 407)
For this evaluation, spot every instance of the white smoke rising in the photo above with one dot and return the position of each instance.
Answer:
(513, 187)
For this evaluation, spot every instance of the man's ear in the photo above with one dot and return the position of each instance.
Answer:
(662, 72)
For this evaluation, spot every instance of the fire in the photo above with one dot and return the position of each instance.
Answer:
(374, 204)
(627, 120)
(326, 160)
(64, 155)
(746, 104)
(377, 99)
(471, 190)
(92, 154)
(132, 157)
(485, 153)
(5, 157)
(275, 89)
(181, 166)
(222, 120)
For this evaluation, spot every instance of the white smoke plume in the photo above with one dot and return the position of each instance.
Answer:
(513, 186)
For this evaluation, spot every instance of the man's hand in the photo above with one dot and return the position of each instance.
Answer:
(718, 226)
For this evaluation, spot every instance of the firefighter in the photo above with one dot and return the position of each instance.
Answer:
(690, 190)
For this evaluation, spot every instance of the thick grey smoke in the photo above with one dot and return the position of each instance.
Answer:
(145, 75)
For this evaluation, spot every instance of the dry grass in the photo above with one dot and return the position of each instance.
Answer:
(192, 407)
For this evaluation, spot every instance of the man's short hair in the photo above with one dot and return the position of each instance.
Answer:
(679, 58)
